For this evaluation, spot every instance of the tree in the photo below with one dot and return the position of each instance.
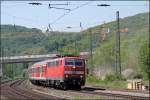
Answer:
(145, 59)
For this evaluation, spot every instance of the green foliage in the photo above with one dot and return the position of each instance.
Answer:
(130, 43)
(13, 70)
(69, 50)
(105, 54)
(17, 28)
(114, 77)
(116, 83)
(145, 59)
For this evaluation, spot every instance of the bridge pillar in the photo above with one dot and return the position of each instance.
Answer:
(26, 64)
(1, 70)
(12, 66)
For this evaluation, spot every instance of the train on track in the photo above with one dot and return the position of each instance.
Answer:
(62, 72)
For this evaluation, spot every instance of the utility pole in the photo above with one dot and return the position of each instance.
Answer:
(118, 58)
(75, 45)
(149, 60)
(91, 49)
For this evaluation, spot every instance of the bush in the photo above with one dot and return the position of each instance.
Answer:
(112, 77)
(138, 76)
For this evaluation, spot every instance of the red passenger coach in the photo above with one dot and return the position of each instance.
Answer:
(59, 72)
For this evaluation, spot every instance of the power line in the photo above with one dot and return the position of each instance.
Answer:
(67, 4)
(49, 26)
(60, 17)
(66, 13)
(80, 6)
(57, 7)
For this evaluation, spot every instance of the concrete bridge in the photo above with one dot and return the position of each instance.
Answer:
(33, 58)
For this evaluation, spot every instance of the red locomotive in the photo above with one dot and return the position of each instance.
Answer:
(59, 72)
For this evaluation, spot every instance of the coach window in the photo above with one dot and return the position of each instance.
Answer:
(53, 63)
(40, 69)
(37, 70)
(49, 64)
(43, 69)
(60, 62)
(56, 63)
(34, 70)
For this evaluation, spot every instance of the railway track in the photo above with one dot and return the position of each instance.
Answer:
(114, 94)
(15, 90)
(114, 89)
(129, 94)
(19, 89)
(111, 94)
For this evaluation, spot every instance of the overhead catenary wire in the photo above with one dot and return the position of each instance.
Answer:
(58, 7)
(66, 13)
(60, 17)
(50, 25)
(88, 25)
(67, 4)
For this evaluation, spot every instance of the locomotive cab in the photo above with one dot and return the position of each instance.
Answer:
(74, 71)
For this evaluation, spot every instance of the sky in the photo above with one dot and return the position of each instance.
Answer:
(86, 12)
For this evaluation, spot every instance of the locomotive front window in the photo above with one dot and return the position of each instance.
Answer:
(73, 62)
(69, 62)
(78, 62)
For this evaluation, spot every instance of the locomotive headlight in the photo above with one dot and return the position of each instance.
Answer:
(66, 76)
(81, 76)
